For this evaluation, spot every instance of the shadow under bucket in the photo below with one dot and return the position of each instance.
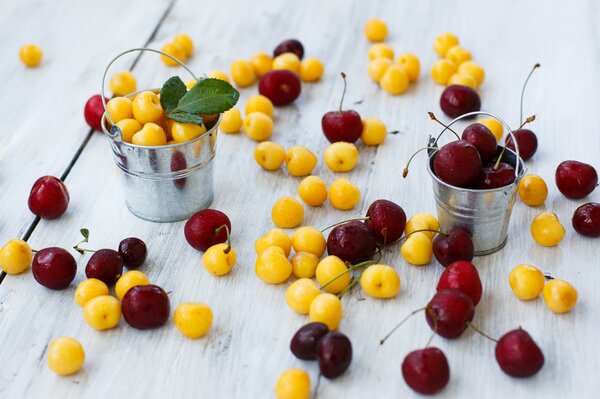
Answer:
(483, 213)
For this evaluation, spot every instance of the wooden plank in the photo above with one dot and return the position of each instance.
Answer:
(247, 348)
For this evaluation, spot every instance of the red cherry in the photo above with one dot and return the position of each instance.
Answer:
(458, 100)
(463, 276)
(518, 355)
(458, 164)
(281, 86)
(289, 46)
(205, 229)
(342, 125)
(527, 141)
(105, 265)
(386, 221)
(334, 353)
(586, 219)
(49, 197)
(455, 245)
(483, 139)
(426, 371)
(452, 310)
(503, 175)
(133, 251)
(304, 342)
(54, 268)
(145, 306)
(93, 111)
(576, 179)
(352, 242)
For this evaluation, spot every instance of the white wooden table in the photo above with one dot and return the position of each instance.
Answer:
(43, 132)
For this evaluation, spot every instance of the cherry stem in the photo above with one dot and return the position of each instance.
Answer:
(34, 250)
(82, 250)
(548, 277)
(435, 326)
(405, 171)
(477, 330)
(217, 230)
(317, 386)
(536, 66)
(348, 270)
(528, 120)
(344, 221)
(446, 127)
(422, 230)
(394, 132)
(344, 91)
(382, 340)
(349, 287)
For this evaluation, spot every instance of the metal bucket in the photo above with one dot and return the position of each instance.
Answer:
(165, 183)
(484, 213)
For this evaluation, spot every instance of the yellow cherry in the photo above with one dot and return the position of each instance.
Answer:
(261, 63)
(473, 69)
(90, 289)
(300, 294)
(231, 121)
(380, 281)
(102, 312)
(219, 259)
(300, 161)
(146, 107)
(380, 50)
(193, 320)
(287, 212)
(395, 80)
(458, 54)
(65, 355)
(311, 69)
(218, 75)
(259, 103)
(533, 190)
(183, 132)
(463, 79)
(309, 239)
(442, 70)
(559, 295)
(304, 264)
(332, 274)
(258, 126)
(123, 83)
(274, 238)
(293, 384)
(242, 73)
(269, 155)
(150, 135)
(547, 230)
(120, 108)
(343, 194)
(494, 125)
(326, 308)
(411, 65)
(272, 266)
(417, 249)
(129, 280)
(526, 281)
(129, 127)
(422, 221)
(443, 43)
(15, 257)
(185, 42)
(374, 131)
(174, 50)
(31, 55)
(341, 156)
(191, 83)
(377, 68)
(312, 190)
(376, 30)
(289, 61)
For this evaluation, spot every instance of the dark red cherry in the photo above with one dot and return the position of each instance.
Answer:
(281, 86)
(133, 251)
(448, 312)
(458, 164)
(576, 179)
(483, 139)
(426, 371)
(289, 46)
(503, 175)
(342, 126)
(54, 268)
(304, 342)
(518, 355)
(145, 306)
(49, 197)
(527, 141)
(205, 229)
(452, 246)
(464, 277)
(458, 100)
(586, 219)
(386, 221)
(352, 242)
(105, 265)
(334, 353)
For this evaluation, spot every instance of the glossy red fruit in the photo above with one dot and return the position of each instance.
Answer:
(334, 353)
(133, 251)
(463, 276)
(586, 219)
(576, 179)
(455, 245)
(304, 342)
(342, 126)
(205, 229)
(54, 268)
(105, 265)
(49, 197)
(482, 139)
(386, 221)
(281, 86)
(458, 100)
(458, 164)
(452, 310)
(527, 141)
(289, 46)
(518, 355)
(93, 111)
(503, 175)
(352, 242)
(145, 306)
(426, 371)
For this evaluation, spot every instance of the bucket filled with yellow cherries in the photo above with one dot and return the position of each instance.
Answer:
(164, 142)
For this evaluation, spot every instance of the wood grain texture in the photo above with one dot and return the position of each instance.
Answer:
(247, 348)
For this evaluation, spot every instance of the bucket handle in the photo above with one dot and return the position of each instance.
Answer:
(114, 130)
(508, 129)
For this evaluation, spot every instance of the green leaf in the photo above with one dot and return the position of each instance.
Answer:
(185, 117)
(85, 233)
(172, 92)
(208, 96)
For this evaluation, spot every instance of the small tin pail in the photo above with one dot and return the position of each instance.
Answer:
(165, 183)
(484, 213)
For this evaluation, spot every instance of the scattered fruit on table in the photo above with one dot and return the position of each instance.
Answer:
(449, 312)
(527, 141)
(258, 126)
(311, 69)
(293, 384)
(181, 48)
(282, 87)
(526, 281)
(312, 190)
(129, 280)
(133, 251)
(54, 268)
(219, 259)
(463, 276)
(300, 161)
(185, 42)
(374, 131)
(426, 371)
(193, 319)
(395, 80)
(376, 30)
(31, 55)
(341, 156)
(559, 295)
(532, 190)
(269, 155)
(89, 289)
(442, 71)
(380, 281)
(304, 264)
(274, 238)
(309, 239)
(48, 198)
(65, 355)
(145, 306)
(586, 219)
(261, 63)
(207, 228)
(272, 266)
(15, 257)
(444, 42)
(305, 340)
(576, 179)
(102, 312)
(457, 100)
(289, 61)
(342, 125)
(386, 221)
(333, 274)
(352, 242)
(326, 308)
(547, 230)
(518, 355)
(343, 194)
(105, 265)
(287, 212)
(455, 245)
(417, 249)
(289, 46)
(123, 83)
(231, 122)
(377, 68)
(422, 221)
(259, 103)
(334, 354)
(300, 294)
(380, 50)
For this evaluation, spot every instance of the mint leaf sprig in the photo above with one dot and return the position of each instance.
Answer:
(208, 96)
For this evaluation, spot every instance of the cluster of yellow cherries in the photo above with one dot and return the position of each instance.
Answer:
(455, 67)
(182, 47)
(394, 78)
